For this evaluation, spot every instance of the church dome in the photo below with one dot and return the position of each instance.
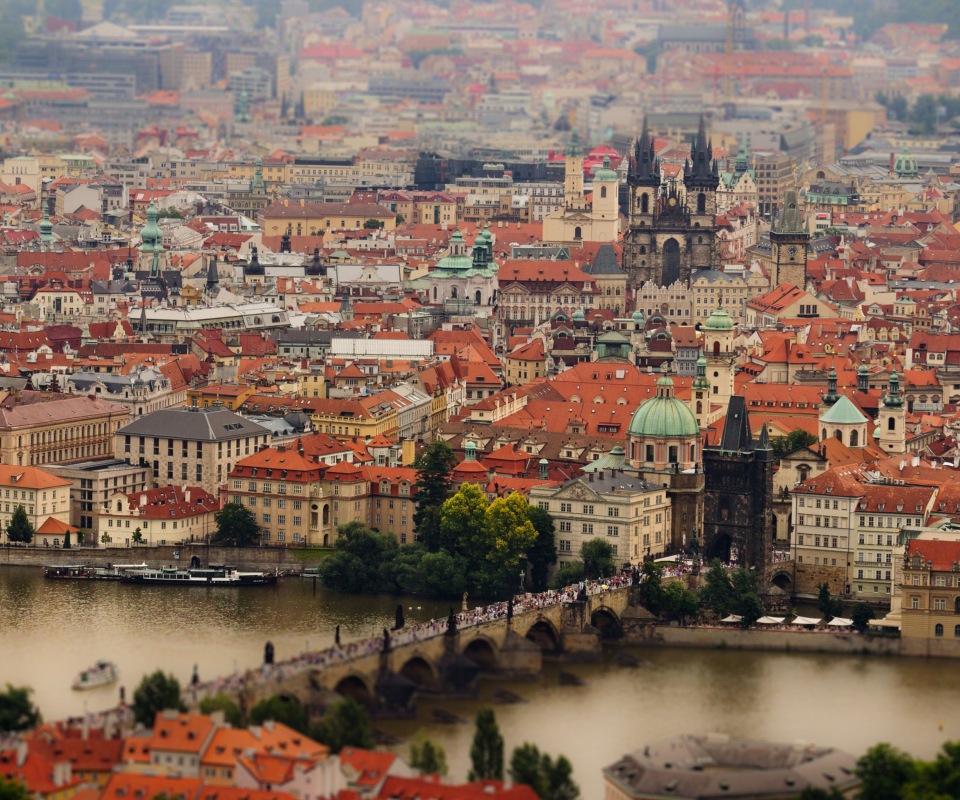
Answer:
(719, 321)
(638, 316)
(663, 416)
(253, 266)
(905, 165)
(606, 174)
(578, 316)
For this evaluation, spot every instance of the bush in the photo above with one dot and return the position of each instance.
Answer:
(568, 574)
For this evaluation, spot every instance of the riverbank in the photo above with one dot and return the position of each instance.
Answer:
(265, 559)
(826, 642)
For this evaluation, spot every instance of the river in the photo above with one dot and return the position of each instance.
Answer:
(49, 630)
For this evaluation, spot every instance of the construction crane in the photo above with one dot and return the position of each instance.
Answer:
(728, 61)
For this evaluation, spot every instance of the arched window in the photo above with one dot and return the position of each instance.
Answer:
(938, 631)
(453, 292)
(803, 471)
(434, 292)
(693, 452)
(478, 297)
(892, 424)
(838, 436)
(716, 348)
(701, 203)
(644, 203)
(643, 249)
(603, 191)
(823, 434)
(854, 438)
(576, 233)
(699, 407)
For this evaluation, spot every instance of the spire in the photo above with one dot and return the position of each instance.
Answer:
(213, 276)
(143, 318)
(701, 381)
(831, 396)
(863, 378)
(893, 399)
(763, 447)
(46, 226)
(574, 150)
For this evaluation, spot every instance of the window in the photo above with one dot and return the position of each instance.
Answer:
(939, 604)
(938, 630)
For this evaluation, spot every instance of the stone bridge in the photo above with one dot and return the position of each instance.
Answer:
(447, 664)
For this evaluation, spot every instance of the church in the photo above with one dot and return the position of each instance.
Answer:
(671, 231)
(584, 219)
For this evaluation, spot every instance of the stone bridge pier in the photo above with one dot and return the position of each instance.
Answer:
(453, 664)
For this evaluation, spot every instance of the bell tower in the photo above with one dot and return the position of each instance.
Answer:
(700, 394)
(789, 240)
(892, 420)
(643, 181)
(718, 339)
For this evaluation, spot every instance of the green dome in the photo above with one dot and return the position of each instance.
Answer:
(719, 321)
(638, 316)
(578, 316)
(864, 370)
(663, 416)
(606, 174)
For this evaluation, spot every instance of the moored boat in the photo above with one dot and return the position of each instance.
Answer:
(103, 673)
(212, 576)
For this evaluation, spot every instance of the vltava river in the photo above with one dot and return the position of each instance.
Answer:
(49, 630)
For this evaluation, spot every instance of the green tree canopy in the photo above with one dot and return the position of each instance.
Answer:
(427, 757)
(372, 224)
(543, 553)
(508, 532)
(828, 606)
(784, 445)
(434, 465)
(19, 528)
(549, 779)
(17, 712)
(220, 702)
(680, 602)
(157, 692)
(716, 593)
(860, 616)
(651, 589)
(569, 573)
(281, 708)
(597, 557)
(486, 752)
(884, 771)
(237, 526)
(14, 790)
(461, 523)
(346, 724)
(362, 560)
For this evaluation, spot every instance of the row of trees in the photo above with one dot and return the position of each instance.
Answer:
(925, 113)
(465, 543)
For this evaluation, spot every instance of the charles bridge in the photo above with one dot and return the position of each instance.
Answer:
(445, 663)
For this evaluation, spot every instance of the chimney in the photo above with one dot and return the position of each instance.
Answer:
(591, 478)
(186, 496)
(915, 461)
(891, 162)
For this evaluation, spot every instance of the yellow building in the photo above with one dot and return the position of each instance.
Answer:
(313, 384)
(229, 395)
(527, 363)
(930, 591)
(170, 514)
(351, 418)
(45, 498)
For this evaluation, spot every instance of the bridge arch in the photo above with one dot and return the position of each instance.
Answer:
(607, 621)
(357, 687)
(482, 651)
(544, 635)
(419, 670)
(783, 580)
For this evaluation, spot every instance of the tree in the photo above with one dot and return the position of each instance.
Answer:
(426, 757)
(19, 528)
(486, 752)
(433, 465)
(157, 692)
(137, 537)
(170, 213)
(936, 780)
(784, 445)
(543, 553)
(14, 790)
(80, 538)
(860, 615)
(281, 708)
(461, 523)
(363, 560)
(346, 724)
(651, 587)
(815, 793)
(66, 540)
(335, 120)
(749, 609)
(508, 532)
(779, 44)
(105, 538)
(884, 771)
(568, 574)
(717, 590)
(828, 607)
(220, 702)
(400, 219)
(550, 780)
(17, 712)
(680, 602)
(372, 225)
(597, 557)
(237, 526)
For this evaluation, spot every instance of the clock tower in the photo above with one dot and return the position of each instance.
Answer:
(789, 239)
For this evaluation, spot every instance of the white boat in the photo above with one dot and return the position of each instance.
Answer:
(103, 673)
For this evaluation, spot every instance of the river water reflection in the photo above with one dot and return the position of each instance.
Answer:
(49, 630)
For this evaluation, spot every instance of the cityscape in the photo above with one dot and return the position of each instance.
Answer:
(467, 399)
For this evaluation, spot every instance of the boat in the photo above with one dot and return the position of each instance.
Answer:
(310, 572)
(211, 576)
(89, 573)
(103, 673)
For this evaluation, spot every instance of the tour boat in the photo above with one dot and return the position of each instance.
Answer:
(212, 576)
(103, 673)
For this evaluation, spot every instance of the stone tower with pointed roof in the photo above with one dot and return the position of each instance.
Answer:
(738, 494)
(672, 226)
(789, 239)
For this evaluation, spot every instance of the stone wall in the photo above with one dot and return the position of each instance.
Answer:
(784, 641)
(248, 558)
(808, 578)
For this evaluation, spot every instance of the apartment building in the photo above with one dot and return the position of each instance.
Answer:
(775, 176)
(632, 514)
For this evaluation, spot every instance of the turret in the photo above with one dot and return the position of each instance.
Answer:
(831, 396)
(863, 378)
